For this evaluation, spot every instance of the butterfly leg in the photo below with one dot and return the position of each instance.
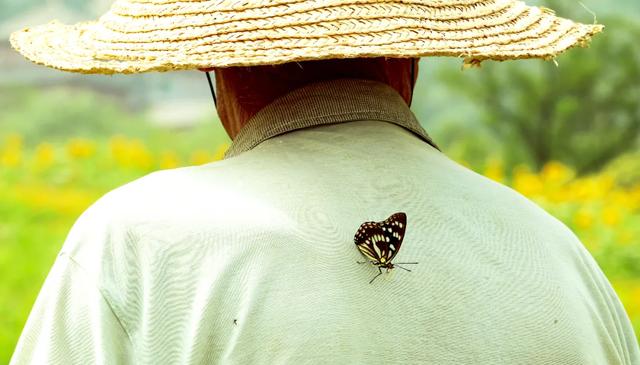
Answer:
(379, 273)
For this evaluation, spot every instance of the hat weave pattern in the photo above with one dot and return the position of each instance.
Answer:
(164, 35)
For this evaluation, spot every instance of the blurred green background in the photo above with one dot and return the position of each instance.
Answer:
(565, 135)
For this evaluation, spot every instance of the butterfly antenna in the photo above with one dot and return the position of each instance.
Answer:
(405, 263)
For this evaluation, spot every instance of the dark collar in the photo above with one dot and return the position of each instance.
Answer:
(327, 102)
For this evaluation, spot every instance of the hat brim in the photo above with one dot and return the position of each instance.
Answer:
(139, 37)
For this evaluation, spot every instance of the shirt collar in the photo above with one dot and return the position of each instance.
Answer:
(327, 102)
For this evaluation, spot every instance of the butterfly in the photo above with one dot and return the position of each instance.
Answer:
(380, 242)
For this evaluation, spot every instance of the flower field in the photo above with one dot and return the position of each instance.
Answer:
(45, 187)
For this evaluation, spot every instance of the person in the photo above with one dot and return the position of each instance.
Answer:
(251, 259)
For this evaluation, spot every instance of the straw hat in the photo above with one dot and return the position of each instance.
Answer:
(165, 35)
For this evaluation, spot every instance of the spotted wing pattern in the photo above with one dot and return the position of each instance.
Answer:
(380, 241)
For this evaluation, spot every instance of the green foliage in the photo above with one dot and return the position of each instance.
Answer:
(55, 114)
(584, 112)
(467, 141)
(59, 113)
(29, 242)
(626, 169)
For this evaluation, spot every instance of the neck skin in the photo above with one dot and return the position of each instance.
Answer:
(243, 91)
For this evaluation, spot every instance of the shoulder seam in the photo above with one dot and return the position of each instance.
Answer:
(102, 294)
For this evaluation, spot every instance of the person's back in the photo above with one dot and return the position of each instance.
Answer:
(251, 260)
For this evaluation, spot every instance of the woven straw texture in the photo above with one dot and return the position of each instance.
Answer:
(164, 35)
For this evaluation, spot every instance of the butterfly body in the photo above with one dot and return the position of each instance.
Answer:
(379, 242)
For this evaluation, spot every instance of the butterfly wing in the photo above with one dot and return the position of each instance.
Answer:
(394, 228)
(380, 241)
(364, 239)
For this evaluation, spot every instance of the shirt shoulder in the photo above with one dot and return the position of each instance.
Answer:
(589, 291)
(164, 205)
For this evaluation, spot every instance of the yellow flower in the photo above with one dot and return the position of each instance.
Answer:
(200, 157)
(621, 198)
(629, 293)
(139, 155)
(219, 154)
(169, 160)
(583, 219)
(62, 200)
(556, 172)
(45, 155)
(494, 170)
(606, 184)
(634, 198)
(527, 183)
(81, 148)
(611, 215)
(11, 155)
(130, 153)
(587, 189)
(118, 146)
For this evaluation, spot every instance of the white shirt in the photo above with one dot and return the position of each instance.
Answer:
(251, 260)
